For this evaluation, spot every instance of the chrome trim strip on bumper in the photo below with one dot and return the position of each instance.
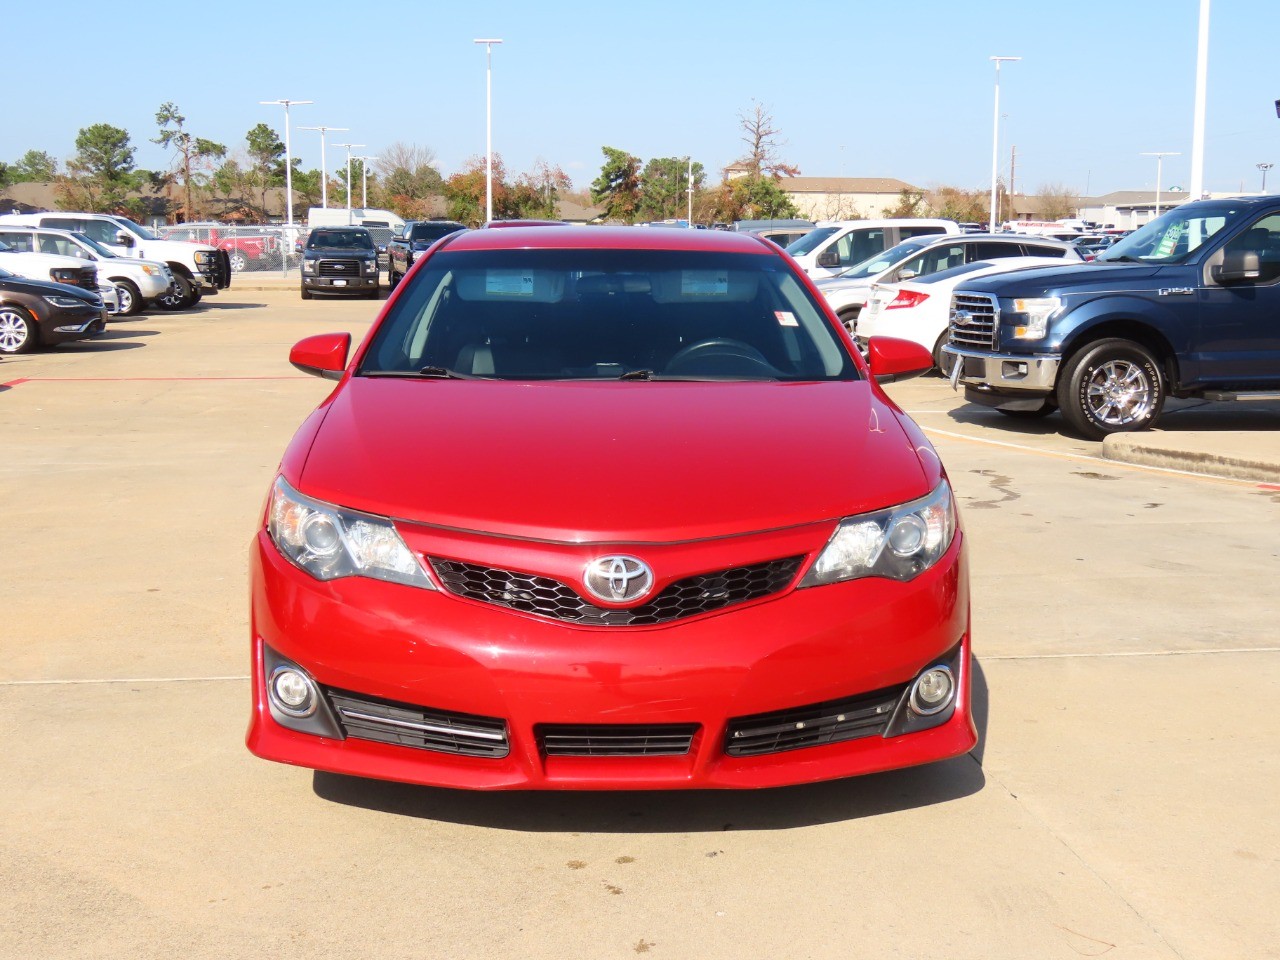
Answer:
(422, 727)
(1003, 371)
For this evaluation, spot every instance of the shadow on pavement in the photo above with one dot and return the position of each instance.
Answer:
(980, 704)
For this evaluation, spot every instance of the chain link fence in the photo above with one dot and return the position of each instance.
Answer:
(264, 249)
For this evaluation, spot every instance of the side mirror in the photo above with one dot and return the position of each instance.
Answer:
(324, 355)
(905, 275)
(1237, 266)
(829, 257)
(124, 239)
(892, 359)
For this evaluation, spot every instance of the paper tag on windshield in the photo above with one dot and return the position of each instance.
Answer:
(786, 318)
(704, 283)
(508, 283)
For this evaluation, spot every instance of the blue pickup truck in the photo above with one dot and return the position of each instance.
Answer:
(1186, 306)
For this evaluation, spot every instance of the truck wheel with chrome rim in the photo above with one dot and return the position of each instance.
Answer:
(17, 330)
(1112, 386)
(238, 261)
(180, 297)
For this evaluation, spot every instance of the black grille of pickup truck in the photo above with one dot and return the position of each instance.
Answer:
(339, 268)
(974, 319)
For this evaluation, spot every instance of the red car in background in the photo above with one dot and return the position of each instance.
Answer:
(248, 247)
(609, 509)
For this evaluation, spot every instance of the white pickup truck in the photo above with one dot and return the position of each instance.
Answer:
(136, 282)
(198, 269)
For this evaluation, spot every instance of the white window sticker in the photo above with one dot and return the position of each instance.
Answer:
(704, 283)
(786, 318)
(508, 283)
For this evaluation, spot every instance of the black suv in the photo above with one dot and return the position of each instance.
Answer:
(340, 260)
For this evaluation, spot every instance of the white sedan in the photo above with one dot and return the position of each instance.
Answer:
(919, 310)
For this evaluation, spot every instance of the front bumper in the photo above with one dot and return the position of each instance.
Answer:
(433, 649)
(351, 284)
(1003, 372)
(68, 325)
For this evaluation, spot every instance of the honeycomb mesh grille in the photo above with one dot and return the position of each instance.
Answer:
(551, 598)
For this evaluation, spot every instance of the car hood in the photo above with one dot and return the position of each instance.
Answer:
(610, 461)
(1075, 277)
(347, 251)
(43, 287)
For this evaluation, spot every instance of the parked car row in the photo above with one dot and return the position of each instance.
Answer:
(43, 312)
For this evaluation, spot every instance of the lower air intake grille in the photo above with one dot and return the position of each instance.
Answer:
(616, 740)
(551, 598)
(407, 725)
(812, 726)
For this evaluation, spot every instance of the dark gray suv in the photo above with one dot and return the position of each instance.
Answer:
(340, 260)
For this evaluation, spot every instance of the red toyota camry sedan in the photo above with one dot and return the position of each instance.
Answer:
(609, 508)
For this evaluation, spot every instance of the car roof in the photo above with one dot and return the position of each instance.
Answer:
(609, 238)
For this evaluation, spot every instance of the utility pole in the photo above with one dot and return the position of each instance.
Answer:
(1013, 166)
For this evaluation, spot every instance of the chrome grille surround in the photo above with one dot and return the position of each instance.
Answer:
(974, 320)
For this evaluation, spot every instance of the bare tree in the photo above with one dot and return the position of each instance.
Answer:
(761, 138)
(1057, 201)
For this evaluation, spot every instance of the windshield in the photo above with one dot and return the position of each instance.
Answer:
(340, 240)
(810, 241)
(608, 315)
(880, 262)
(95, 246)
(135, 228)
(1174, 235)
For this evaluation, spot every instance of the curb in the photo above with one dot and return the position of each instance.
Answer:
(1165, 451)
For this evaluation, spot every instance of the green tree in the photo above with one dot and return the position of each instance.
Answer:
(911, 203)
(192, 154)
(101, 174)
(617, 189)
(266, 162)
(748, 198)
(35, 166)
(664, 185)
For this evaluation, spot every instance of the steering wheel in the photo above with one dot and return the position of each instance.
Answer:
(720, 356)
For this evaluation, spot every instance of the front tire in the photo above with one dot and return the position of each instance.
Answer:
(1112, 386)
(850, 319)
(130, 297)
(17, 330)
(393, 278)
(943, 362)
(180, 297)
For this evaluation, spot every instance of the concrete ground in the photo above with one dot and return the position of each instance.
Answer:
(1120, 803)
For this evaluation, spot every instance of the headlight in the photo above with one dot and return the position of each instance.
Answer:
(1037, 311)
(64, 302)
(149, 270)
(308, 266)
(63, 275)
(371, 264)
(329, 542)
(204, 256)
(899, 543)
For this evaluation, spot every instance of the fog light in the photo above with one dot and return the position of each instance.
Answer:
(932, 691)
(292, 692)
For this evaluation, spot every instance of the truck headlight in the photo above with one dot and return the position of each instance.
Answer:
(898, 543)
(149, 270)
(329, 542)
(204, 257)
(371, 265)
(308, 266)
(1037, 311)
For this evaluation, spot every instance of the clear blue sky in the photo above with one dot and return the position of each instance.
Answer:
(886, 89)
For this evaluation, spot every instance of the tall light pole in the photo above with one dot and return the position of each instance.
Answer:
(690, 159)
(324, 167)
(488, 126)
(348, 146)
(1159, 167)
(1264, 167)
(995, 140)
(288, 157)
(1197, 124)
(364, 171)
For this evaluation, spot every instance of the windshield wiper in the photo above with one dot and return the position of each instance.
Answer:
(431, 373)
(637, 375)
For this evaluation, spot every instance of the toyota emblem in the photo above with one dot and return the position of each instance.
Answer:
(618, 579)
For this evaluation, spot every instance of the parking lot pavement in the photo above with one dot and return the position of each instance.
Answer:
(1119, 804)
